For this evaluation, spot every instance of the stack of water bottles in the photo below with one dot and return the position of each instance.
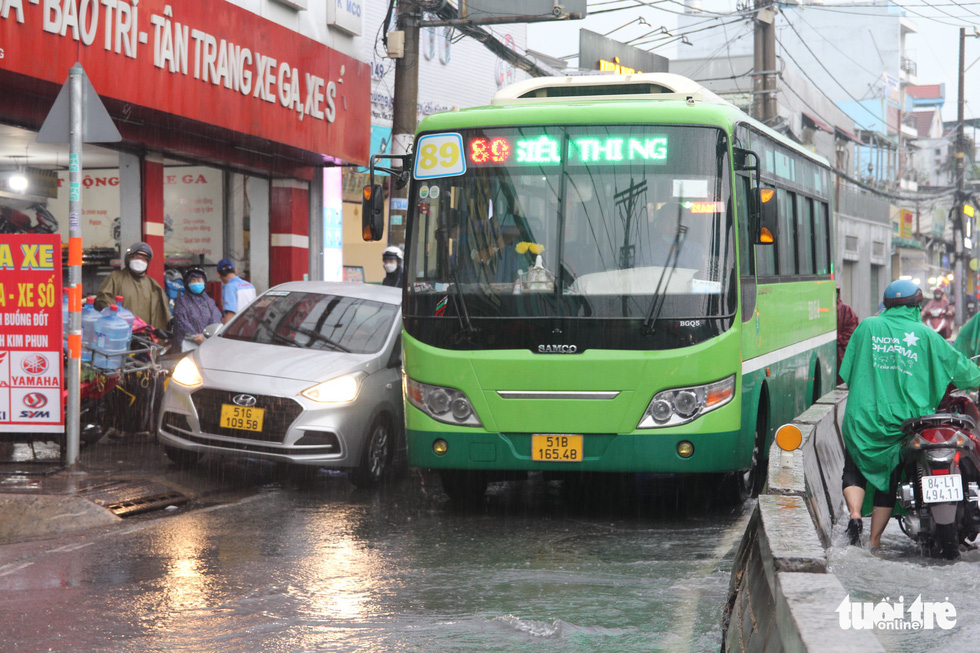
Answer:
(89, 317)
(112, 334)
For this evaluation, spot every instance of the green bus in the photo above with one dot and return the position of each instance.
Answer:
(610, 274)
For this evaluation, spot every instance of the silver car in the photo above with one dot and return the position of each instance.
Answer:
(309, 373)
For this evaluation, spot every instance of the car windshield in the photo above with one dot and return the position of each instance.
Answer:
(590, 221)
(314, 321)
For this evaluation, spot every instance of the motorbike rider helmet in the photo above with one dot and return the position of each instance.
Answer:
(937, 293)
(194, 273)
(902, 292)
(174, 283)
(392, 252)
(138, 248)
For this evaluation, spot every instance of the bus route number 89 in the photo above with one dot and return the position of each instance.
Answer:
(439, 155)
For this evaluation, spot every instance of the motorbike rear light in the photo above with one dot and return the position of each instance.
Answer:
(938, 436)
(939, 471)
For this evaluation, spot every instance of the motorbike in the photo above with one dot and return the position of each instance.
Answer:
(940, 493)
(940, 320)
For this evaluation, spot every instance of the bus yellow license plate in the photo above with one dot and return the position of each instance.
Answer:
(556, 448)
(239, 417)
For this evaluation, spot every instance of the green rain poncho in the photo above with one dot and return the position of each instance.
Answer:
(895, 368)
(968, 341)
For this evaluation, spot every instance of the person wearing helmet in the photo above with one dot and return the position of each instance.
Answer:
(392, 258)
(938, 313)
(193, 311)
(141, 294)
(896, 368)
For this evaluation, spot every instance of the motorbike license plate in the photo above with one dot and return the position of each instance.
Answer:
(942, 488)
(239, 417)
(556, 448)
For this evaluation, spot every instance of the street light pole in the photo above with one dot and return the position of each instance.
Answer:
(405, 110)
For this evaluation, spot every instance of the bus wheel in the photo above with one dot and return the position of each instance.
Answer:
(464, 486)
(748, 483)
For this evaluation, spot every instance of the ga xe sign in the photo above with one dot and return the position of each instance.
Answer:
(209, 61)
(30, 333)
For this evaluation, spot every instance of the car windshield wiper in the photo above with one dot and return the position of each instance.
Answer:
(284, 339)
(316, 335)
(660, 293)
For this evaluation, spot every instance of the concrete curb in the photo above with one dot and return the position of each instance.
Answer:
(781, 597)
(26, 516)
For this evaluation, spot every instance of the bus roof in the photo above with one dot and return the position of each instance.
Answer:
(594, 99)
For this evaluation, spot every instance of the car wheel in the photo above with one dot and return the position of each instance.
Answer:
(376, 457)
(183, 457)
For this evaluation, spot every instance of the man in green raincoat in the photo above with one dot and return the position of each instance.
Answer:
(895, 368)
(968, 340)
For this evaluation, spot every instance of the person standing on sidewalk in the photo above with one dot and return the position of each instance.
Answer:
(236, 293)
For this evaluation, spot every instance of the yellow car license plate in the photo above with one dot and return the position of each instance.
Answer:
(239, 417)
(556, 448)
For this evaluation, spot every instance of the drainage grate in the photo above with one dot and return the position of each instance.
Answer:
(127, 498)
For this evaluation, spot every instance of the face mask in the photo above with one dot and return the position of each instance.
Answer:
(196, 287)
(390, 267)
(138, 265)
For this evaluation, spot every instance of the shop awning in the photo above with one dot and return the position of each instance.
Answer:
(840, 132)
(818, 123)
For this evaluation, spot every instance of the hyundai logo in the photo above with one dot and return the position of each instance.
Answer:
(35, 400)
(244, 400)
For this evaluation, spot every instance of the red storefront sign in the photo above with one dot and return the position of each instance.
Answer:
(30, 334)
(209, 61)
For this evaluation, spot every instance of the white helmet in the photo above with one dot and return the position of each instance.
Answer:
(393, 251)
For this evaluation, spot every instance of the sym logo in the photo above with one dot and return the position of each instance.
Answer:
(35, 400)
(246, 401)
(34, 364)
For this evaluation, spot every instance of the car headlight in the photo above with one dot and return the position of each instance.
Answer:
(340, 390)
(682, 405)
(186, 373)
(445, 405)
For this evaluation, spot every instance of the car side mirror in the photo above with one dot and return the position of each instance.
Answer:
(372, 213)
(765, 215)
(212, 329)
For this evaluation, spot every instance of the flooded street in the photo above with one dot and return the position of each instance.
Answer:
(329, 568)
(898, 572)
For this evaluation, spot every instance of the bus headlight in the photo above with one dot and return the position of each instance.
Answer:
(682, 405)
(445, 405)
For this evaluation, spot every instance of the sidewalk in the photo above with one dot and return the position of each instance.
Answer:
(113, 480)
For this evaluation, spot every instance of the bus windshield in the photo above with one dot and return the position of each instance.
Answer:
(576, 221)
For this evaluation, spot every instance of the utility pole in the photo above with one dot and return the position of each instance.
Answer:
(961, 196)
(764, 77)
(404, 112)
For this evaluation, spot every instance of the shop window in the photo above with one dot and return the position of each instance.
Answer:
(193, 207)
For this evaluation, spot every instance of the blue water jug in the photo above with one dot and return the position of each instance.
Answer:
(112, 337)
(124, 312)
(89, 317)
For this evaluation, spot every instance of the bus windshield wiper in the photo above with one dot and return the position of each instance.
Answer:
(660, 293)
(461, 312)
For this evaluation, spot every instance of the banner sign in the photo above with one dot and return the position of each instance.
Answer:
(31, 359)
(224, 66)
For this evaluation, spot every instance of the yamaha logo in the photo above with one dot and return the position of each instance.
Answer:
(246, 401)
(34, 364)
(35, 400)
(557, 349)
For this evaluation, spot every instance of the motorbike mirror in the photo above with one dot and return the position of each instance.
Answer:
(789, 437)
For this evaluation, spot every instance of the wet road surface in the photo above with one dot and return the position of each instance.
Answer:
(324, 567)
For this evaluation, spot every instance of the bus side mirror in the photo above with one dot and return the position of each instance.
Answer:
(372, 213)
(765, 216)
